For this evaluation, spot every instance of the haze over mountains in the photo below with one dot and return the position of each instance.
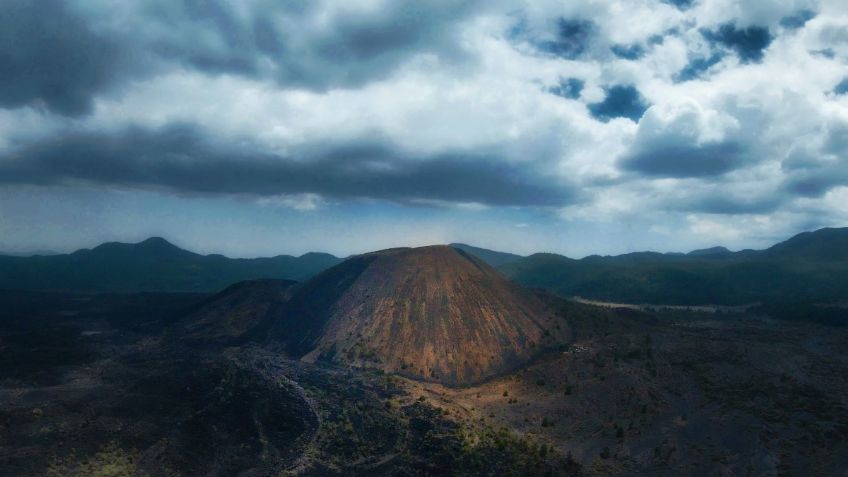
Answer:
(809, 266)
(152, 265)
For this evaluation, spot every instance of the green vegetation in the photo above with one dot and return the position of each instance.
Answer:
(151, 265)
(110, 461)
(501, 452)
(808, 267)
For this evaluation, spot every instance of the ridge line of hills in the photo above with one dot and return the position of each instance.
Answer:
(150, 265)
(808, 266)
(492, 257)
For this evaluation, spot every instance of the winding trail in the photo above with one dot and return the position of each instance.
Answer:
(274, 369)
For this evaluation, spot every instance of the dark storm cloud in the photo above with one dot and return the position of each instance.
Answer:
(673, 159)
(748, 43)
(729, 205)
(305, 44)
(50, 58)
(816, 182)
(621, 101)
(182, 159)
(568, 88)
(58, 56)
(572, 38)
(206, 35)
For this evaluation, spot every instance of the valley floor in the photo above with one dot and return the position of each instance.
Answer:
(678, 394)
(93, 385)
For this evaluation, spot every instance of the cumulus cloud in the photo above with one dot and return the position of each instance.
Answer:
(797, 20)
(699, 65)
(314, 45)
(60, 55)
(817, 163)
(685, 140)
(603, 111)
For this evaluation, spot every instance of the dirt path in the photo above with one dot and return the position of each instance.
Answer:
(273, 370)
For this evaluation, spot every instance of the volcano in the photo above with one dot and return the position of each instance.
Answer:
(433, 313)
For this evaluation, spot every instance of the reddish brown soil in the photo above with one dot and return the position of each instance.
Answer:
(432, 313)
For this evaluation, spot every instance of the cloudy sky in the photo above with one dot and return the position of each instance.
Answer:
(263, 127)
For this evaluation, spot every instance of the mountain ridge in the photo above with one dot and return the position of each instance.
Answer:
(811, 266)
(492, 257)
(153, 264)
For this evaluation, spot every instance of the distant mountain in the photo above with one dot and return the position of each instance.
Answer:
(152, 265)
(434, 313)
(822, 245)
(493, 258)
(809, 266)
(710, 252)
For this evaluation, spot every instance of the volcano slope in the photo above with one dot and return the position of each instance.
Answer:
(431, 313)
(237, 314)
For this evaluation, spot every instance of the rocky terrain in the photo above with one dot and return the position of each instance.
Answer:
(94, 389)
(431, 313)
(101, 397)
(414, 362)
(677, 394)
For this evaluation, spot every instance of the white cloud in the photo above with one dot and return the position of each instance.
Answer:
(302, 202)
(483, 90)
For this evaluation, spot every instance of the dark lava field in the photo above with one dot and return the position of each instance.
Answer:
(100, 385)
